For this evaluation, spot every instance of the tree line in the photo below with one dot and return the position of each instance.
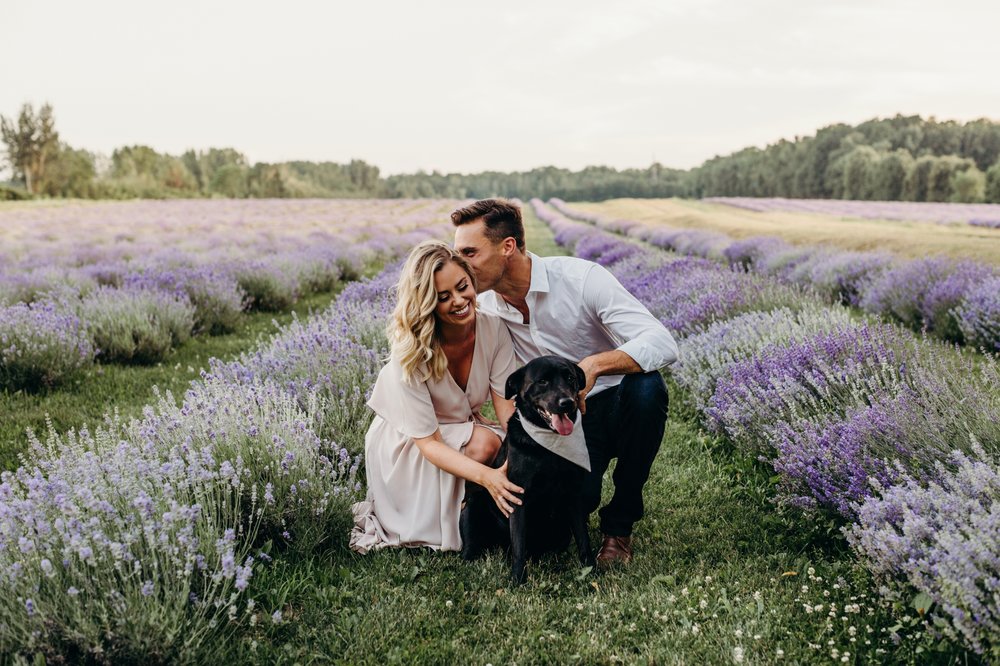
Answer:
(903, 158)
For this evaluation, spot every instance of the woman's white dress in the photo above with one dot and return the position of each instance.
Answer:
(410, 501)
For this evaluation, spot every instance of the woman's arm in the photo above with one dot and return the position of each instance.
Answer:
(504, 409)
(453, 462)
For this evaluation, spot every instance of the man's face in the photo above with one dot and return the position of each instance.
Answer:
(486, 258)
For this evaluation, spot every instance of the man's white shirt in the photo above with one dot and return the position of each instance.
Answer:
(578, 308)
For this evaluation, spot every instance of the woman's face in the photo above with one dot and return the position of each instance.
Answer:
(456, 298)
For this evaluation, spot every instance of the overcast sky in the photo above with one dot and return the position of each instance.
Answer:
(470, 86)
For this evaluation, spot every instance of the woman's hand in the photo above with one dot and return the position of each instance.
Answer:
(501, 489)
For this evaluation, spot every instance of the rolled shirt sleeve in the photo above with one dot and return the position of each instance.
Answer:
(627, 321)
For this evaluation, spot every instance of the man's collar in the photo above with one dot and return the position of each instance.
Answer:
(539, 276)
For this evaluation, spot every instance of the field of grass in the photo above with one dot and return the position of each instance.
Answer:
(720, 574)
(907, 239)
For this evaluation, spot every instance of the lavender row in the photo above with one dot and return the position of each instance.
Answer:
(143, 537)
(984, 215)
(134, 304)
(897, 434)
(958, 301)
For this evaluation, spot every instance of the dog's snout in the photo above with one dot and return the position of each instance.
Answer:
(567, 403)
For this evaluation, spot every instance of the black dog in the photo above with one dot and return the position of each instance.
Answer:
(545, 392)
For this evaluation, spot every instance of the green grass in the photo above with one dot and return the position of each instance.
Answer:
(130, 387)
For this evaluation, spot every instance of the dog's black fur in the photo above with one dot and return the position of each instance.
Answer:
(552, 508)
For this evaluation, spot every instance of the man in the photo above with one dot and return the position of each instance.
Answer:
(575, 308)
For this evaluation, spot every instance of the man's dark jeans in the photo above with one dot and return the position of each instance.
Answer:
(624, 422)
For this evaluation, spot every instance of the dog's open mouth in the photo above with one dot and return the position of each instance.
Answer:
(561, 423)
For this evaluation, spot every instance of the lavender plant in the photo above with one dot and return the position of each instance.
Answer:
(943, 539)
(41, 345)
(217, 298)
(269, 286)
(704, 357)
(979, 315)
(136, 325)
(113, 551)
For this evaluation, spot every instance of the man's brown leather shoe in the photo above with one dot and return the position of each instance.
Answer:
(614, 550)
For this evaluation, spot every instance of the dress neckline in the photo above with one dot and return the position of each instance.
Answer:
(472, 362)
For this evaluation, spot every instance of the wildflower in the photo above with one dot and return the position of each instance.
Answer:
(738, 655)
(147, 588)
(276, 617)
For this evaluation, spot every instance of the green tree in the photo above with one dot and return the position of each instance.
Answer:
(230, 180)
(890, 175)
(992, 190)
(968, 186)
(32, 142)
(917, 179)
(859, 169)
(942, 173)
(70, 173)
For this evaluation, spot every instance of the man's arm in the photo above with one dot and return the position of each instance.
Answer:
(645, 343)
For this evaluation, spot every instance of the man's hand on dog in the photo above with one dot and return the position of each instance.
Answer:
(590, 372)
(502, 489)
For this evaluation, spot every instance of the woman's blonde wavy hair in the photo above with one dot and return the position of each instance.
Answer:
(413, 330)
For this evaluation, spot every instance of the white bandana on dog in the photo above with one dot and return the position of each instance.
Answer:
(572, 447)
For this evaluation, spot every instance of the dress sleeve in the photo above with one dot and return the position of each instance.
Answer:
(406, 407)
(503, 362)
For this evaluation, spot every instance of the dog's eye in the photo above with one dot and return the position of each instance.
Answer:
(542, 382)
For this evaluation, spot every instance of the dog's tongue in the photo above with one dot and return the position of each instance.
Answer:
(561, 424)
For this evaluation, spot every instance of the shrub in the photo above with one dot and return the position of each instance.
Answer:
(979, 315)
(41, 345)
(269, 286)
(136, 325)
(217, 298)
(942, 538)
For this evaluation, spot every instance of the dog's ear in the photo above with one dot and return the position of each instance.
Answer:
(581, 377)
(514, 383)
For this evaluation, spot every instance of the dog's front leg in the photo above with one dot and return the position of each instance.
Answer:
(518, 545)
(471, 549)
(578, 524)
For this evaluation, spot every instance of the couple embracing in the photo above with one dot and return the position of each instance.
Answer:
(465, 319)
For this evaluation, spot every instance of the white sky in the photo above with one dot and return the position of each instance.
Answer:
(470, 86)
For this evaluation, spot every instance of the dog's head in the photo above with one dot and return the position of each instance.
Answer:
(546, 391)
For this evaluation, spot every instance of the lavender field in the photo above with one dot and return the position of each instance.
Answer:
(983, 215)
(954, 299)
(129, 282)
(896, 434)
(213, 526)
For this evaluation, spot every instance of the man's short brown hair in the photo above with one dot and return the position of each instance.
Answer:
(502, 219)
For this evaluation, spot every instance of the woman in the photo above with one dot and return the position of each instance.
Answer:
(428, 437)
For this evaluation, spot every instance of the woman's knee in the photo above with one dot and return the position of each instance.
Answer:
(483, 445)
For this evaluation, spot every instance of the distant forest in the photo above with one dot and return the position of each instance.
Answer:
(905, 158)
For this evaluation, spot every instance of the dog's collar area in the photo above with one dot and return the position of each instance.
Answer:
(572, 447)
